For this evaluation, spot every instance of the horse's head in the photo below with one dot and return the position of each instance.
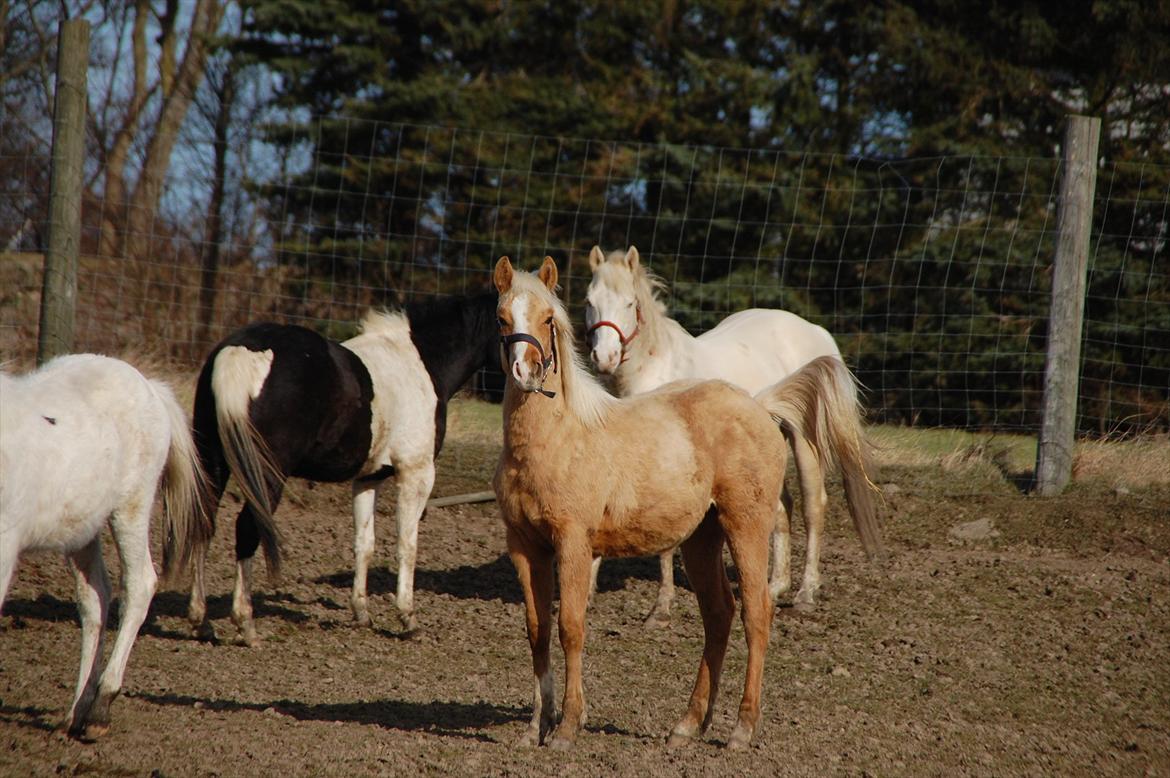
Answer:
(612, 312)
(527, 317)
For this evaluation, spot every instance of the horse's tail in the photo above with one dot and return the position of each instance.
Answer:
(187, 524)
(237, 376)
(820, 403)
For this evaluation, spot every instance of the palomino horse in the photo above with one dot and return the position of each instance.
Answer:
(642, 348)
(84, 441)
(275, 401)
(584, 474)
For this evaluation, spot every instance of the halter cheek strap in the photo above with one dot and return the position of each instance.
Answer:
(545, 362)
(621, 337)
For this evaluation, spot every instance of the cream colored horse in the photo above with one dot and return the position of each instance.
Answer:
(635, 341)
(584, 474)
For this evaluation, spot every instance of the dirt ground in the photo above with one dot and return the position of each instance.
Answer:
(1038, 644)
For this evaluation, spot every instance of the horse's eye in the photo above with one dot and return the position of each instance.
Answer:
(631, 304)
(548, 321)
(501, 322)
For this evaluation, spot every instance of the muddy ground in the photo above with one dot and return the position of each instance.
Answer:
(1040, 647)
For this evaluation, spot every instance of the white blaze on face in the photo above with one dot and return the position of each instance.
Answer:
(521, 368)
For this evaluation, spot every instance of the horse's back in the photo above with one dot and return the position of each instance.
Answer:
(79, 439)
(307, 396)
(760, 346)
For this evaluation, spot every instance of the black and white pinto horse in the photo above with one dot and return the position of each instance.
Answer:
(275, 401)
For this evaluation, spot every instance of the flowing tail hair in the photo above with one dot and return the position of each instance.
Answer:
(234, 373)
(186, 525)
(819, 403)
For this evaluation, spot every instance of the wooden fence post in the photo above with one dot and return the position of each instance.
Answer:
(59, 290)
(1074, 221)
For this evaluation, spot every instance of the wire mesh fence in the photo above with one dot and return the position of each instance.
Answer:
(932, 273)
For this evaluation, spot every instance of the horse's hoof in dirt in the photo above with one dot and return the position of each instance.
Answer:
(248, 639)
(558, 743)
(657, 620)
(805, 600)
(204, 632)
(678, 740)
(94, 730)
(529, 739)
(741, 737)
(408, 623)
(362, 620)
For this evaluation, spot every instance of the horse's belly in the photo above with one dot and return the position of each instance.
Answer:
(650, 532)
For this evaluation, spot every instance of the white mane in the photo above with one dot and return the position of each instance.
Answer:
(585, 396)
(392, 324)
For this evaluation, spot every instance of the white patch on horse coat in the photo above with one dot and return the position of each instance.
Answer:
(402, 422)
(238, 378)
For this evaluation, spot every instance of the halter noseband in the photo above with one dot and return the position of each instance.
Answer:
(621, 337)
(545, 362)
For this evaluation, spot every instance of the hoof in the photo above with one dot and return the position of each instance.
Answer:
(678, 740)
(408, 622)
(658, 619)
(362, 620)
(530, 739)
(204, 632)
(558, 743)
(805, 600)
(741, 737)
(247, 638)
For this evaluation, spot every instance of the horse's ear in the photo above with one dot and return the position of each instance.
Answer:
(548, 274)
(502, 276)
(632, 258)
(596, 258)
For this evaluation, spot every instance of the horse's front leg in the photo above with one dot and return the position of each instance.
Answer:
(365, 496)
(535, 572)
(574, 558)
(414, 487)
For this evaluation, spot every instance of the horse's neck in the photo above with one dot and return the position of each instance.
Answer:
(453, 349)
(663, 355)
(533, 421)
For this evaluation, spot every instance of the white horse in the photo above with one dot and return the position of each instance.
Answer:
(634, 341)
(86, 440)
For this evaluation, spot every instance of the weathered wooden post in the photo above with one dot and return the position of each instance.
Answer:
(59, 290)
(1074, 221)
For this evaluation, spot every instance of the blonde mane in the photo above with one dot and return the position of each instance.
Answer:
(585, 396)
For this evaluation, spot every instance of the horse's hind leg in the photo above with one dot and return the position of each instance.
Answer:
(534, 569)
(781, 581)
(93, 601)
(702, 555)
(813, 501)
(414, 486)
(659, 616)
(131, 531)
(747, 537)
(201, 628)
(365, 497)
(247, 541)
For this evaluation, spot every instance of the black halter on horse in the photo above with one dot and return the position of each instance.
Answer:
(545, 362)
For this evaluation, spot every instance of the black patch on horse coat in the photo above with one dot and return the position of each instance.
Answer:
(454, 337)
